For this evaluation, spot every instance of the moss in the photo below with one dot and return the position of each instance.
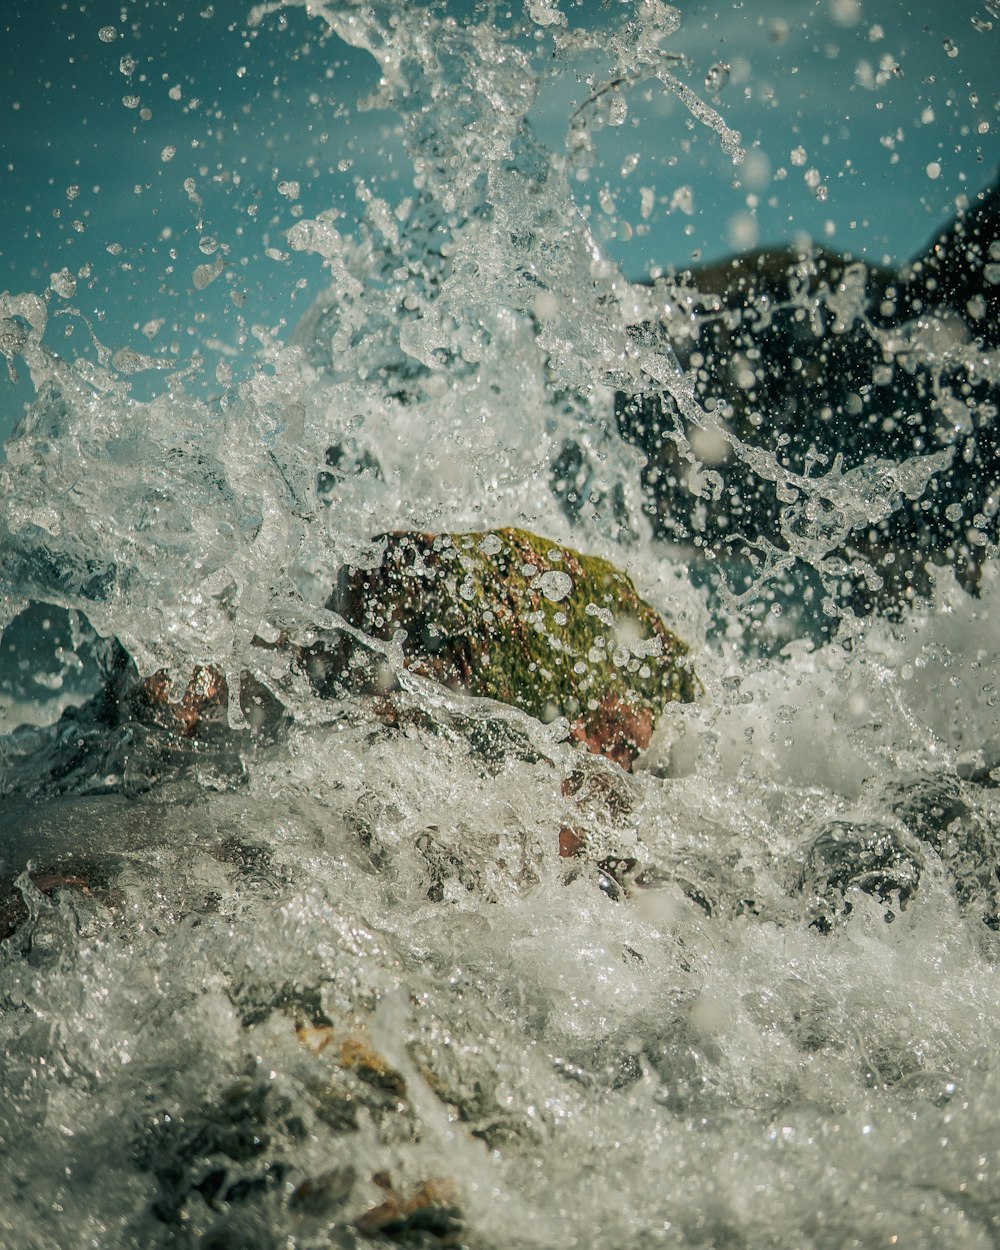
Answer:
(502, 614)
(512, 616)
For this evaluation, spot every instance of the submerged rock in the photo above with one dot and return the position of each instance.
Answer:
(426, 1217)
(870, 857)
(833, 367)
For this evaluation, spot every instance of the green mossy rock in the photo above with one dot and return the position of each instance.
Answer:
(502, 614)
(514, 617)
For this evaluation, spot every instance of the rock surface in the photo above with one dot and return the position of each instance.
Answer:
(805, 355)
(510, 616)
(505, 615)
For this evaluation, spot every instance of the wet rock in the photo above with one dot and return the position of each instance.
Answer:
(809, 355)
(844, 856)
(320, 1195)
(510, 616)
(426, 1218)
(945, 813)
(21, 896)
(505, 615)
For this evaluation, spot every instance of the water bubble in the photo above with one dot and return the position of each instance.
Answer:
(950, 47)
(491, 545)
(107, 34)
(718, 76)
(545, 13)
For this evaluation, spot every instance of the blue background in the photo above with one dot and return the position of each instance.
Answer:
(868, 95)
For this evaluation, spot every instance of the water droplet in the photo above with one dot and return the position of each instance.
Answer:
(798, 156)
(63, 283)
(168, 153)
(950, 47)
(934, 170)
(205, 275)
(846, 12)
(718, 76)
(491, 545)
(107, 34)
(130, 101)
(555, 585)
(127, 66)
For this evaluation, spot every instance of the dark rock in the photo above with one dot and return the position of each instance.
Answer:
(870, 857)
(946, 814)
(426, 1218)
(810, 355)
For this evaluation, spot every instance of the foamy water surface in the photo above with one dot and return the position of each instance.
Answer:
(332, 984)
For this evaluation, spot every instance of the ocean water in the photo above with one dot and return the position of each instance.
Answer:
(322, 980)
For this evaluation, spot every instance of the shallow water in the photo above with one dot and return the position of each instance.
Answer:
(327, 981)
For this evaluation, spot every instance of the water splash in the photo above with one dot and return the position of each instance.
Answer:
(337, 982)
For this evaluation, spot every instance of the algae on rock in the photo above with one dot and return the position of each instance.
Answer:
(501, 614)
(511, 616)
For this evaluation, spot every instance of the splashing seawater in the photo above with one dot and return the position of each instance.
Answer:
(332, 983)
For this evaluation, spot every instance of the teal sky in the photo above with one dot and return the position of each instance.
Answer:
(131, 161)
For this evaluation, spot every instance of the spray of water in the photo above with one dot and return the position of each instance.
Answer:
(335, 984)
